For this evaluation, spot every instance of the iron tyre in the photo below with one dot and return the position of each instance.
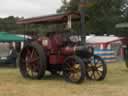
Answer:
(32, 61)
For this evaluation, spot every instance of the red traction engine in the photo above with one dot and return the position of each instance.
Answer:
(59, 53)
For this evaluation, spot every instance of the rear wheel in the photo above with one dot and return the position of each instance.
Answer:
(32, 61)
(96, 68)
(74, 69)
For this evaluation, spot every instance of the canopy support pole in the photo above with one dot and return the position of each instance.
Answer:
(82, 20)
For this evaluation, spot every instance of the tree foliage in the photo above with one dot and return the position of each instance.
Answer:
(103, 14)
(8, 24)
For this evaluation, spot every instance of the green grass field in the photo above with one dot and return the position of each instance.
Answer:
(115, 84)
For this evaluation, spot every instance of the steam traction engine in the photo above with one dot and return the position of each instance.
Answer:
(59, 52)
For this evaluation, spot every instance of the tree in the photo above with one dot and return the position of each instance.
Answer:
(71, 6)
(8, 24)
(103, 14)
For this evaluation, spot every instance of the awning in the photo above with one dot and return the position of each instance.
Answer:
(122, 25)
(7, 37)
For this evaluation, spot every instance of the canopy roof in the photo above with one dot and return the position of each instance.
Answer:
(56, 18)
(103, 39)
(6, 37)
(122, 25)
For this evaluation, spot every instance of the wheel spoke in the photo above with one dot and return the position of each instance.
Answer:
(28, 52)
(32, 53)
(34, 60)
(77, 76)
(98, 73)
(100, 69)
(89, 69)
(71, 76)
(89, 73)
(99, 66)
(68, 65)
(74, 76)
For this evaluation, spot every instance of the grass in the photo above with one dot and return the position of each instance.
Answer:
(115, 84)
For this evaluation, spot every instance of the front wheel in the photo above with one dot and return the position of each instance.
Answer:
(96, 68)
(74, 69)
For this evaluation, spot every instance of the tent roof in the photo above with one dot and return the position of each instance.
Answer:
(103, 39)
(122, 25)
(7, 37)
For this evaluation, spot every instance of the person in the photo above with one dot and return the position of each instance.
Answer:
(34, 35)
(18, 47)
(11, 58)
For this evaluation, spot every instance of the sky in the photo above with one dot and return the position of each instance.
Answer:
(28, 8)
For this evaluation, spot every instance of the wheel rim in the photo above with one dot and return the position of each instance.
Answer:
(72, 70)
(95, 68)
(30, 60)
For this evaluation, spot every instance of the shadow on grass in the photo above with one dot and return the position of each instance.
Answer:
(53, 77)
(8, 65)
